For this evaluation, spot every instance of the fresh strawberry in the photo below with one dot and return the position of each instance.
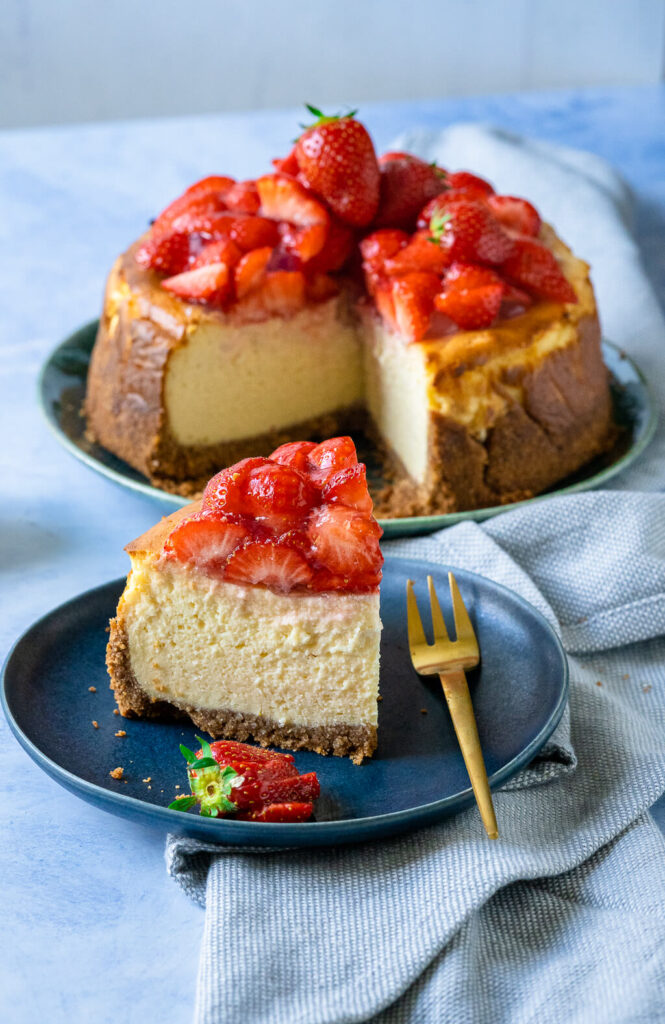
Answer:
(285, 199)
(336, 159)
(211, 284)
(467, 182)
(209, 193)
(472, 296)
(205, 541)
(282, 292)
(345, 541)
(214, 184)
(382, 293)
(413, 298)
(321, 287)
(252, 232)
(276, 489)
(287, 164)
(225, 491)
(207, 222)
(294, 454)
(336, 249)
(348, 487)
(258, 787)
(534, 267)
(333, 454)
(269, 564)
(515, 214)
(231, 752)
(422, 253)
(243, 197)
(306, 243)
(470, 233)
(437, 207)
(250, 271)
(287, 812)
(515, 300)
(168, 253)
(407, 183)
(222, 251)
(381, 245)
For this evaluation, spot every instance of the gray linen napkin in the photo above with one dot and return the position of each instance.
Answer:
(563, 919)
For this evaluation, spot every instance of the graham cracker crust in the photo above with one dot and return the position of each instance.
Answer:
(354, 741)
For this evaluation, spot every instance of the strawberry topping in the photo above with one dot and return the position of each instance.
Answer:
(301, 519)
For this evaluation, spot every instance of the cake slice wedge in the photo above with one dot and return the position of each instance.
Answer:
(255, 611)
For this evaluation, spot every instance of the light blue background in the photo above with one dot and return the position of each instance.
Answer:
(92, 929)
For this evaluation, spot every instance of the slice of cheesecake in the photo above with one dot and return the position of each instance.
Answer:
(256, 611)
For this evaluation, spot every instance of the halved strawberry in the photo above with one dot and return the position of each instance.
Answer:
(287, 812)
(214, 184)
(533, 266)
(211, 284)
(243, 197)
(422, 253)
(208, 222)
(413, 298)
(348, 487)
(222, 251)
(284, 198)
(205, 541)
(336, 250)
(282, 292)
(229, 752)
(382, 245)
(407, 183)
(208, 193)
(253, 232)
(276, 489)
(225, 491)
(294, 454)
(305, 242)
(168, 253)
(472, 296)
(250, 271)
(336, 159)
(516, 214)
(437, 207)
(287, 164)
(270, 564)
(465, 181)
(470, 233)
(333, 454)
(345, 541)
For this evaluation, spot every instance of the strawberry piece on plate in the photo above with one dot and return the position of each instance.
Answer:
(211, 284)
(517, 215)
(286, 812)
(534, 267)
(270, 564)
(336, 159)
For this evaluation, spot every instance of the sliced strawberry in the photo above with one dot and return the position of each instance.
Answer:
(533, 266)
(470, 233)
(228, 751)
(422, 253)
(252, 232)
(211, 284)
(438, 206)
(225, 491)
(243, 197)
(381, 246)
(348, 487)
(333, 454)
(294, 454)
(515, 300)
(208, 222)
(287, 812)
(515, 214)
(345, 541)
(208, 193)
(284, 198)
(336, 160)
(282, 292)
(465, 181)
(250, 271)
(382, 293)
(306, 243)
(214, 184)
(205, 541)
(260, 789)
(472, 296)
(168, 253)
(413, 298)
(276, 489)
(222, 251)
(337, 248)
(407, 183)
(269, 564)
(321, 287)
(288, 164)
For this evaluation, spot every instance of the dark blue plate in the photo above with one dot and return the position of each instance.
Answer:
(62, 390)
(416, 777)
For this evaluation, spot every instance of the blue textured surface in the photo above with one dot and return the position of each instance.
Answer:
(98, 931)
(416, 777)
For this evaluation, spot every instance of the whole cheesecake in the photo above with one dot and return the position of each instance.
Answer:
(445, 321)
(255, 611)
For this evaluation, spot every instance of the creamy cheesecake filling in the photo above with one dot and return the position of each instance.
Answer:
(215, 381)
(295, 659)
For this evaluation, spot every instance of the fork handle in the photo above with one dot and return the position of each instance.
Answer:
(458, 698)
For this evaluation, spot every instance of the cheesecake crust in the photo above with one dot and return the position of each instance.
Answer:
(354, 741)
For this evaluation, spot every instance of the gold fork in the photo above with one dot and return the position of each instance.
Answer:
(448, 659)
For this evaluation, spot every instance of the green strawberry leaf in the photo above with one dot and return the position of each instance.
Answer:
(202, 762)
(188, 754)
(182, 803)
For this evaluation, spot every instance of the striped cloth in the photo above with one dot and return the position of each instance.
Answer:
(563, 919)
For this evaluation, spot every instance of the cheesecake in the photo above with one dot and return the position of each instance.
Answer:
(255, 611)
(397, 300)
